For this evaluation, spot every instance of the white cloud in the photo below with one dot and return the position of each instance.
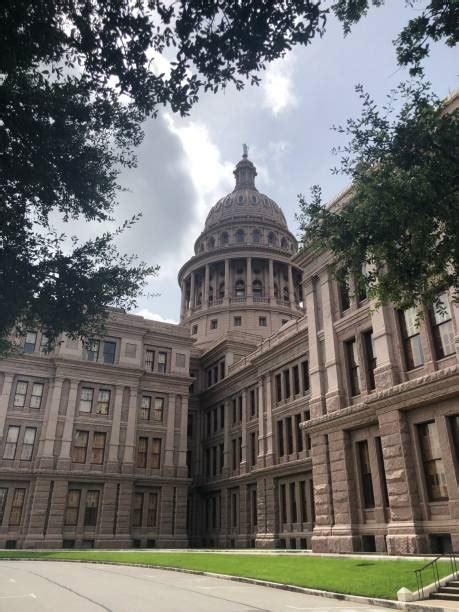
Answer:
(153, 316)
(278, 85)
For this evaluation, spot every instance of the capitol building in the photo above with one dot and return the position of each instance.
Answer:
(283, 411)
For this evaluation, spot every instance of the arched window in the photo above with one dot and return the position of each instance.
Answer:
(201, 247)
(285, 294)
(257, 288)
(211, 243)
(224, 237)
(240, 236)
(256, 235)
(239, 288)
(221, 291)
(271, 239)
(284, 243)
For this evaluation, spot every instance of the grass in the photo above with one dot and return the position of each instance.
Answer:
(378, 578)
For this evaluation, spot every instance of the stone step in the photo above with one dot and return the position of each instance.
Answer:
(449, 589)
(454, 583)
(445, 596)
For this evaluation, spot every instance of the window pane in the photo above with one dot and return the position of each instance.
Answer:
(92, 351)
(37, 394)
(16, 507)
(3, 495)
(159, 408)
(30, 342)
(86, 396)
(152, 509)
(98, 447)
(145, 407)
(444, 339)
(12, 436)
(137, 510)
(156, 453)
(103, 402)
(365, 472)
(434, 471)
(109, 352)
(142, 447)
(441, 311)
(73, 505)
(92, 504)
(20, 395)
(149, 359)
(80, 446)
(27, 445)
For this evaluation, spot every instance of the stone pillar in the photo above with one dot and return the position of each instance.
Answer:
(4, 400)
(227, 281)
(261, 426)
(333, 398)
(192, 291)
(387, 373)
(249, 292)
(45, 452)
(183, 444)
(183, 300)
(243, 466)
(269, 423)
(271, 279)
(226, 439)
(323, 500)
(129, 446)
(64, 460)
(291, 289)
(316, 402)
(115, 432)
(169, 445)
(206, 285)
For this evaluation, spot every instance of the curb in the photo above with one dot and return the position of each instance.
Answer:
(386, 603)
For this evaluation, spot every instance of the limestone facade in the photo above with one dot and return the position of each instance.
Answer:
(283, 411)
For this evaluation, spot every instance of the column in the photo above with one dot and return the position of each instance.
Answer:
(227, 280)
(261, 426)
(128, 460)
(226, 439)
(192, 291)
(50, 422)
(249, 289)
(333, 398)
(169, 447)
(183, 300)
(387, 373)
(115, 432)
(269, 422)
(64, 459)
(243, 466)
(291, 290)
(206, 285)
(4, 400)
(271, 279)
(316, 402)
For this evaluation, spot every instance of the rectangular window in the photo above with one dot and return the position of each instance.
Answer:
(17, 507)
(80, 446)
(280, 438)
(37, 395)
(365, 473)
(254, 508)
(222, 369)
(214, 460)
(305, 374)
(442, 328)
(434, 471)
(283, 504)
(304, 507)
(370, 358)
(43, 344)
(194, 330)
(253, 405)
(454, 425)
(28, 443)
(137, 510)
(3, 496)
(152, 511)
(213, 323)
(262, 321)
(233, 453)
(162, 362)
(72, 507)
(149, 360)
(142, 448)
(103, 402)
(158, 410)
(352, 366)
(156, 453)
(296, 380)
(20, 394)
(222, 416)
(287, 383)
(293, 508)
(215, 420)
(86, 396)
(9, 452)
(92, 350)
(234, 510)
(92, 506)
(237, 322)
(278, 388)
(344, 294)
(288, 424)
(222, 457)
(109, 352)
(30, 342)
(411, 337)
(145, 408)
(98, 447)
(253, 449)
(382, 470)
(298, 433)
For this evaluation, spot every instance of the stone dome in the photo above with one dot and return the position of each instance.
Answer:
(245, 201)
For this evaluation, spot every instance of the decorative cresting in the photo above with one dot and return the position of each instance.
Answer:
(245, 201)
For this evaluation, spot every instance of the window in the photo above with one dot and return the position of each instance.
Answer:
(262, 321)
(156, 453)
(296, 380)
(288, 423)
(224, 238)
(286, 374)
(283, 503)
(434, 471)
(149, 359)
(142, 448)
(222, 369)
(11, 443)
(30, 342)
(280, 438)
(72, 507)
(256, 235)
(382, 470)
(37, 394)
(253, 449)
(194, 330)
(271, 239)
(253, 402)
(221, 290)
(293, 509)
(221, 452)
(305, 373)
(278, 388)
(239, 289)
(109, 352)
(411, 337)
(80, 446)
(233, 453)
(344, 293)
(365, 473)
(103, 402)
(92, 350)
(454, 425)
(361, 285)
(370, 358)
(92, 506)
(213, 323)
(137, 510)
(145, 408)
(17, 506)
(28, 443)
(86, 396)
(3, 495)
(299, 433)
(237, 321)
(152, 510)
(20, 394)
(240, 236)
(303, 507)
(98, 447)
(158, 409)
(283, 243)
(442, 328)
(257, 288)
(352, 367)
(162, 362)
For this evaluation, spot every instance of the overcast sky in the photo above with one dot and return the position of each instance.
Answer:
(185, 165)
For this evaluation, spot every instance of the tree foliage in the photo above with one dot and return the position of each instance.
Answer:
(402, 216)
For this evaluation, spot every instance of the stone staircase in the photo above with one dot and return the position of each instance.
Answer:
(448, 592)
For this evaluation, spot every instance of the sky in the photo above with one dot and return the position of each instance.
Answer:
(186, 164)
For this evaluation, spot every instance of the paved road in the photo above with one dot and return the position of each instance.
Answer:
(75, 587)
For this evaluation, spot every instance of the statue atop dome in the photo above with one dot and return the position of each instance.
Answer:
(245, 151)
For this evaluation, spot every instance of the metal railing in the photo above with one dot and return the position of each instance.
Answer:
(433, 567)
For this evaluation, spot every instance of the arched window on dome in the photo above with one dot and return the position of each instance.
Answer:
(285, 294)
(257, 288)
(271, 239)
(221, 291)
(240, 236)
(239, 289)
(284, 243)
(256, 236)
(201, 247)
(211, 243)
(224, 238)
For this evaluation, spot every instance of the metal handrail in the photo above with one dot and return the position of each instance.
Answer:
(435, 572)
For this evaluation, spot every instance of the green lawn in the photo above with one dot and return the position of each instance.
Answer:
(349, 575)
